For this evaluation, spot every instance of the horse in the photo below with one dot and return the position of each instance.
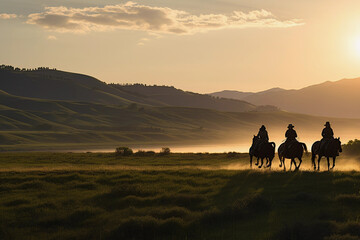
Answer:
(267, 151)
(331, 149)
(295, 150)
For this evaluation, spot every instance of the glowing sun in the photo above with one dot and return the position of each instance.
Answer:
(356, 45)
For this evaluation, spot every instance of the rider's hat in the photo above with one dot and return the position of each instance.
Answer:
(327, 124)
(290, 126)
(263, 127)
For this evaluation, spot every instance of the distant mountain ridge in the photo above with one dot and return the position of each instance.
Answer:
(242, 95)
(334, 99)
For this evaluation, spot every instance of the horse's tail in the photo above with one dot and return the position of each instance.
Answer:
(304, 146)
(271, 152)
(280, 151)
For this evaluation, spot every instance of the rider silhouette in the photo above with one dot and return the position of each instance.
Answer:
(263, 138)
(290, 135)
(327, 134)
(263, 134)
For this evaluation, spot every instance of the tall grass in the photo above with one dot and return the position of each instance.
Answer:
(172, 204)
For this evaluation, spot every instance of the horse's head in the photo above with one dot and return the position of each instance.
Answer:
(255, 138)
(338, 144)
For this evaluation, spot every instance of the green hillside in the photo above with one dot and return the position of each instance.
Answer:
(52, 84)
(59, 85)
(29, 123)
(176, 97)
(47, 109)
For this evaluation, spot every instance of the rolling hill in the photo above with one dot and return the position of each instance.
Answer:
(176, 97)
(48, 109)
(41, 124)
(58, 85)
(337, 99)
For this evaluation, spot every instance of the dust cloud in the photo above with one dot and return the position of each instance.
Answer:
(341, 164)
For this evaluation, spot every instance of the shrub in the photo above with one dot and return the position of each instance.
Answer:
(233, 155)
(352, 147)
(143, 153)
(124, 151)
(165, 151)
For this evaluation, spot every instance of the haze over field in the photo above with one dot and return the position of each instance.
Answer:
(50, 109)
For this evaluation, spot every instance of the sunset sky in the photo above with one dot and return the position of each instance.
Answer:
(201, 46)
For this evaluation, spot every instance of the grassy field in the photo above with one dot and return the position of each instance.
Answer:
(177, 196)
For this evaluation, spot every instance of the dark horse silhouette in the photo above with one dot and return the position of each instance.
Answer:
(331, 149)
(267, 151)
(295, 150)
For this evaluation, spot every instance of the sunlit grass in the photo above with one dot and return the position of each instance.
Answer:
(89, 196)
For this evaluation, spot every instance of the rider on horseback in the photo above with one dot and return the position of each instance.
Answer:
(291, 136)
(328, 135)
(263, 138)
(263, 134)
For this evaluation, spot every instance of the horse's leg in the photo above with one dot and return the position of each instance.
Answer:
(328, 161)
(269, 162)
(298, 167)
(262, 162)
(313, 158)
(251, 157)
(291, 163)
(283, 162)
(257, 161)
(333, 163)
(319, 162)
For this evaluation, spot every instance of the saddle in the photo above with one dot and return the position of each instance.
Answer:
(291, 143)
(324, 144)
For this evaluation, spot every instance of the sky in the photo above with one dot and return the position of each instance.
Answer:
(195, 45)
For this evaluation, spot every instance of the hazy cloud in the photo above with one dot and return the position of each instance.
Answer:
(51, 37)
(7, 16)
(142, 41)
(134, 16)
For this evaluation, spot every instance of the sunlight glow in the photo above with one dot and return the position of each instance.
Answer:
(356, 46)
